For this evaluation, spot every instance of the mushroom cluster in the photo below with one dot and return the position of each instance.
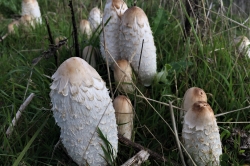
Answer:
(81, 105)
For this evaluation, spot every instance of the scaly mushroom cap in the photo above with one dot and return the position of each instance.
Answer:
(135, 32)
(123, 79)
(31, 7)
(95, 18)
(81, 103)
(124, 115)
(89, 55)
(85, 28)
(114, 9)
(243, 45)
(200, 135)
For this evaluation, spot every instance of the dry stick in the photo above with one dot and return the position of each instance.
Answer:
(176, 133)
(51, 39)
(18, 114)
(107, 62)
(232, 111)
(137, 159)
(153, 154)
(74, 29)
(2, 38)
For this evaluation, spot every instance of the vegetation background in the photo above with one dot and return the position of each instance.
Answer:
(209, 61)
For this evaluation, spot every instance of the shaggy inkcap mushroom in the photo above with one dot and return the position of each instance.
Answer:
(113, 10)
(123, 79)
(124, 116)
(201, 136)
(95, 18)
(31, 7)
(85, 28)
(25, 20)
(243, 45)
(81, 103)
(134, 30)
(89, 55)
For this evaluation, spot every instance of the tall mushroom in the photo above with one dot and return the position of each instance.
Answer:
(201, 136)
(89, 55)
(31, 7)
(85, 28)
(95, 18)
(81, 105)
(137, 44)
(124, 116)
(113, 10)
(123, 76)
(243, 45)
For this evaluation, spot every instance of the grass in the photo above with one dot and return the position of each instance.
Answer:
(210, 63)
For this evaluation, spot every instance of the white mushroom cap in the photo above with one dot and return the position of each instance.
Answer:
(81, 103)
(134, 30)
(125, 79)
(199, 115)
(85, 28)
(124, 115)
(95, 18)
(89, 55)
(193, 95)
(243, 43)
(31, 7)
(114, 9)
(201, 136)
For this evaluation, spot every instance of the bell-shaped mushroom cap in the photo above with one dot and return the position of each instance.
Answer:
(81, 105)
(201, 136)
(124, 115)
(123, 76)
(113, 10)
(243, 45)
(85, 28)
(89, 55)
(31, 8)
(95, 18)
(199, 115)
(193, 95)
(137, 44)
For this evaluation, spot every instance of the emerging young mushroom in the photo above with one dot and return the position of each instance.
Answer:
(124, 115)
(201, 136)
(124, 80)
(81, 105)
(25, 20)
(31, 7)
(243, 45)
(85, 28)
(89, 55)
(113, 10)
(137, 44)
(95, 18)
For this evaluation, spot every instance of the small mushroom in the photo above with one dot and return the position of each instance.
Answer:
(95, 18)
(137, 44)
(124, 115)
(31, 7)
(81, 105)
(89, 55)
(123, 76)
(243, 45)
(85, 28)
(113, 10)
(201, 136)
(25, 20)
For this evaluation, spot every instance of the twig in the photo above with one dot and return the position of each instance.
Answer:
(18, 114)
(51, 39)
(176, 133)
(74, 29)
(137, 159)
(2, 38)
(140, 147)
